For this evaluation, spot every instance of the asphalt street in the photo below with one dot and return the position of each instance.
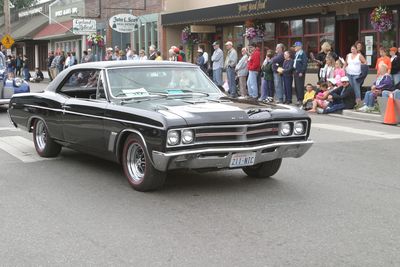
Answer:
(336, 206)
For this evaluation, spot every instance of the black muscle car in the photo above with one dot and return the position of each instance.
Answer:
(153, 117)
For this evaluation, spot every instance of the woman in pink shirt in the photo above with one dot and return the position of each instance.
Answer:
(339, 72)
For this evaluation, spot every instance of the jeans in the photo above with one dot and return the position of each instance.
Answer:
(369, 99)
(267, 89)
(287, 84)
(334, 107)
(26, 74)
(252, 84)
(278, 86)
(217, 77)
(396, 78)
(355, 85)
(230, 73)
(299, 85)
(396, 94)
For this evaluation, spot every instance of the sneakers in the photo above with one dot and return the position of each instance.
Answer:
(320, 111)
(364, 108)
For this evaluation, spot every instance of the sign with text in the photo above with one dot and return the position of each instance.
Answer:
(202, 29)
(124, 23)
(83, 26)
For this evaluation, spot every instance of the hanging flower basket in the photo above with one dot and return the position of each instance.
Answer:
(257, 31)
(381, 19)
(95, 40)
(187, 37)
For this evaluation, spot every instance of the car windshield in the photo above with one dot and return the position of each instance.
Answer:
(141, 82)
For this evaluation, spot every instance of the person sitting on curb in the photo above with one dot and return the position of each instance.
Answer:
(383, 82)
(321, 99)
(341, 98)
(38, 76)
(308, 97)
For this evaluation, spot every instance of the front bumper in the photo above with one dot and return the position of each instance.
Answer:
(4, 101)
(220, 158)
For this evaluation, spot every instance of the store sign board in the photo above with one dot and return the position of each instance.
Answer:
(254, 6)
(202, 29)
(30, 12)
(67, 11)
(124, 23)
(83, 26)
(369, 45)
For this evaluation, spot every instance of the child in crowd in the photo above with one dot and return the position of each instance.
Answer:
(339, 72)
(308, 97)
(327, 71)
(267, 84)
(321, 99)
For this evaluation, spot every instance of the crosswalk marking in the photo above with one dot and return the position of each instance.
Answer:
(345, 129)
(9, 129)
(20, 148)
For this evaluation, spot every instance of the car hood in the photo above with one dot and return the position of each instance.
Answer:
(218, 110)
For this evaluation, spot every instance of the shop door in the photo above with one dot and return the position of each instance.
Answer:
(347, 35)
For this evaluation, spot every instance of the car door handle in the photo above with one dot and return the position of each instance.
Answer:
(66, 106)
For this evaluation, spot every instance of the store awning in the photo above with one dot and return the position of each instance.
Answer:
(55, 30)
(244, 10)
(25, 29)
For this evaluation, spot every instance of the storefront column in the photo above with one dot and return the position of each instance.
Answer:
(84, 48)
(146, 39)
(36, 56)
(133, 40)
(152, 30)
(139, 39)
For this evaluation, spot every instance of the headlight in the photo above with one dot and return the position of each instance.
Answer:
(187, 136)
(299, 128)
(286, 128)
(18, 82)
(173, 138)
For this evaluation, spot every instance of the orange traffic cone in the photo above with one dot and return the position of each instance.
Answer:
(390, 114)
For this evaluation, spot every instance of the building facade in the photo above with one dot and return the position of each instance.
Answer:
(341, 23)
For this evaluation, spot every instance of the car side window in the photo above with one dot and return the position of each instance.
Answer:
(81, 84)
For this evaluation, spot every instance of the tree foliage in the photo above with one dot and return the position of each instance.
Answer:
(17, 4)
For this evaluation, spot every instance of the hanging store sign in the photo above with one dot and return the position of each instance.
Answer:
(30, 12)
(124, 23)
(83, 26)
(65, 12)
(202, 29)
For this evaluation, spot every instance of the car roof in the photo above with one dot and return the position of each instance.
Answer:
(115, 64)
(131, 63)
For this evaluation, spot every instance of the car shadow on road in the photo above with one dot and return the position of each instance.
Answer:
(177, 181)
(3, 108)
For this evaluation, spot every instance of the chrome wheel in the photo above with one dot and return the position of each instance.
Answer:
(41, 135)
(136, 162)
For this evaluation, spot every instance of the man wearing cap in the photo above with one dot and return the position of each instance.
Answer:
(217, 59)
(300, 68)
(230, 64)
(341, 98)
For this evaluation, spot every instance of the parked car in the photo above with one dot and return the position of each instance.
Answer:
(154, 117)
(9, 85)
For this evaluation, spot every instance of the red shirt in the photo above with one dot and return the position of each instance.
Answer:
(254, 61)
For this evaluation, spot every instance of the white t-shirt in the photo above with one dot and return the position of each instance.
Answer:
(205, 56)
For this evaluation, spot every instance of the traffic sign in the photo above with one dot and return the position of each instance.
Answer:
(7, 41)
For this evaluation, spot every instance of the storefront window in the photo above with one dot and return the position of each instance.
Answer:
(284, 28)
(296, 27)
(327, 24)
(312, 26)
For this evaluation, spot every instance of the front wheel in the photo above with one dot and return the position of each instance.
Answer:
(263, 170)
(138, 168)
(45, 145)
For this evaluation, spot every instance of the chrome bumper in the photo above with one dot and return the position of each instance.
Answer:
(220, 158)
(4, 101)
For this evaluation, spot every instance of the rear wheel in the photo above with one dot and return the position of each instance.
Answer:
(45, 146)
(138, 168)
(263, 170)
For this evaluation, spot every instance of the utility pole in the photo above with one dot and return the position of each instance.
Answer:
(7, 23)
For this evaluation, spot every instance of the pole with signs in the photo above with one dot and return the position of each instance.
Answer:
(7, 23)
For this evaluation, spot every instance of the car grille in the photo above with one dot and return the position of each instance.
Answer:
(236, 134)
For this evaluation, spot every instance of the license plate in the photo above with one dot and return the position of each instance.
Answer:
(242, 159)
